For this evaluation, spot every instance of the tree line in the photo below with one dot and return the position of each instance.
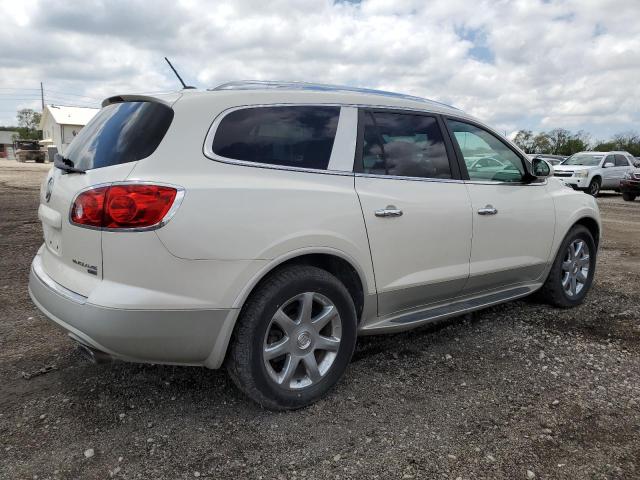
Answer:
(560, 141)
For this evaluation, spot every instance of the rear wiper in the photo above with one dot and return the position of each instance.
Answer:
(65, 164)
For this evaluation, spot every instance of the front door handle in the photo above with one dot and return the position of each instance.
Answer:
(390, 211)
(488, 210)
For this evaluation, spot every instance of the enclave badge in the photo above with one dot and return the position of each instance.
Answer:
(47, 194)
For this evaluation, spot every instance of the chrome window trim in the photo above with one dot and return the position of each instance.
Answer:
(520, 184)
(448, 180)
(174, 208)
(414, 179)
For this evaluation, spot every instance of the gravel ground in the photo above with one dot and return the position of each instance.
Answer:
(516, 391)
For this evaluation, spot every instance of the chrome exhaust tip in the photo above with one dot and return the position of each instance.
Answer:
(91, 354)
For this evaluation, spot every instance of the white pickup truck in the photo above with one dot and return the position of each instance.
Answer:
(595, 171)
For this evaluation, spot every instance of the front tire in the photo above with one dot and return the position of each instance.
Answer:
(594, 187)
(572, 271)
(628, 197)
(294, 339)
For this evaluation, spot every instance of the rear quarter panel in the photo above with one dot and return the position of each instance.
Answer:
(234, 212)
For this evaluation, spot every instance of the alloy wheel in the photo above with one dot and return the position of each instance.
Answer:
(575, 267)
(302, 341)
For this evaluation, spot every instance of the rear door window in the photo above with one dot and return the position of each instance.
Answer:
(295, 136)
(404, 145)
(120, 133)
(621, 161)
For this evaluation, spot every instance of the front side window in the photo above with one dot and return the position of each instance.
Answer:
(487, 158)
(296, 136)
(404, 145)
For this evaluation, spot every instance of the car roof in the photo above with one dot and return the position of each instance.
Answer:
(272, 92)
(321, 87)
(258, 92)
(622, 152)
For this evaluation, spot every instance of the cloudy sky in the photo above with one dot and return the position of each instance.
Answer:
(516, 64)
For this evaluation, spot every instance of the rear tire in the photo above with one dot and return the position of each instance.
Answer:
(628, 197)
(572, 272)
(594, 187)
(294, 338)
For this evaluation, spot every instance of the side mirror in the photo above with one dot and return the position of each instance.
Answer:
(608, 165)
(541, 168)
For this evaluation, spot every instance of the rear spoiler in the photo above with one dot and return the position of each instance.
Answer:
(165, 98)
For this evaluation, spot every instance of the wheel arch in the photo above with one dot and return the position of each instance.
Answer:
(336, 262)
(590, 224)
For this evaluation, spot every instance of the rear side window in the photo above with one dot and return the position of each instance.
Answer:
(300, 136)
(404, 145)
(621, 161)
(120, 133)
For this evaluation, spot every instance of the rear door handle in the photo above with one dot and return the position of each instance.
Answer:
(390, 211)
(488, 210)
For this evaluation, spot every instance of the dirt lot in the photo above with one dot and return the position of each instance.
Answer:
(516, 391)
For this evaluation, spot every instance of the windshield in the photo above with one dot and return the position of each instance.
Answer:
(583, 159)
(120, 133)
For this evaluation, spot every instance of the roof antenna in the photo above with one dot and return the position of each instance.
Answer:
(184, 85)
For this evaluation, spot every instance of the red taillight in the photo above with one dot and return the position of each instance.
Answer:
(123, 206)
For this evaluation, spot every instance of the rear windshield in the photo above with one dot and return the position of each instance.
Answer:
(120, 133)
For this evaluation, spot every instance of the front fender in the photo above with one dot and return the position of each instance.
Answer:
(571, 207)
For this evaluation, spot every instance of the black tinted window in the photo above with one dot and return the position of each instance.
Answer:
(120, 133)
(621, 161)
(288, 136)
(404, 145)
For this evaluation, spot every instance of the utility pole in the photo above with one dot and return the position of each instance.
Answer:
(42, 95)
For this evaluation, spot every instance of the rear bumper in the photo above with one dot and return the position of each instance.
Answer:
(630, 186)
(185, 337)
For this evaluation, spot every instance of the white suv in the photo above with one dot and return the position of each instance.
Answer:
(264, 226)
(595, 171)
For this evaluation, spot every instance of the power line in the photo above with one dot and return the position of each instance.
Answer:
(17, 88)
(37, 93)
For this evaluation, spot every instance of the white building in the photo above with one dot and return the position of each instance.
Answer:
(6, 144)
(59, 124)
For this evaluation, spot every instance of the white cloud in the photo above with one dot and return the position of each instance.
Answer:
(535, 64)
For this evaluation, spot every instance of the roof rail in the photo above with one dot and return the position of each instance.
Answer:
(271, 84)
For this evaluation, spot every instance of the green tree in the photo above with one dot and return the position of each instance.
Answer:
(577, 142)
(28, 118)
(558, 138)
(541, 143)
(524, 140)
(28, 123)
(628, 141)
